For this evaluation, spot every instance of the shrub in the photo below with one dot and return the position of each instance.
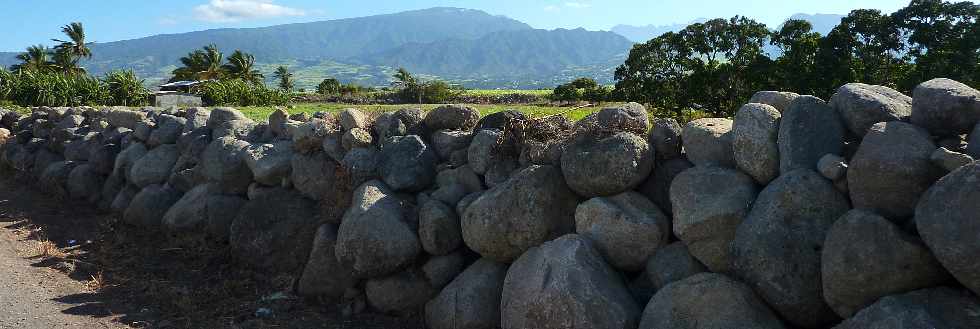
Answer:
(126, 89)
(432, 92)
(240, 93)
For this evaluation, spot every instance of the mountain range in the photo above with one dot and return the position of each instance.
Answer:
(465, 46)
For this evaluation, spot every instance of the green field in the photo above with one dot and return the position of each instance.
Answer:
(498, 92)
(261, 113)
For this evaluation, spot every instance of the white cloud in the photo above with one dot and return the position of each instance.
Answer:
(238, 10)
(577, 5)
(551, 8)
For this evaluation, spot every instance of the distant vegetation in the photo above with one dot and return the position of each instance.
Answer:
(581, 89)
(52, 76)
(716, 66)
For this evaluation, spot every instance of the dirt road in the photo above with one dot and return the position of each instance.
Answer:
(33, 295)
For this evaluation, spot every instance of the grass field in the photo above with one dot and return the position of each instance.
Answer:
(497, 92)
(261, 113)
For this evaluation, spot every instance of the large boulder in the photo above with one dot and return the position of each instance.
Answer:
(947, 219)
(866, 257)
(891, 169)
(709, 142)
(471, 301)
(402, 293)
(777, 247)
(755, 130)
(167, 131)
(945, 107)
(146, 209)
(407, 121)
(949, 160)
(127, 157)
(273, 231)
(270, 163)
(54, 178)
(445, 142)
(709, 204)
(154, 167)
(375, 238)
(626, 228)
(665, 138)
(501, 120)
(121, 117)
(203, 209)
(482, 150)
(353, 118)
(84, 183)
(361, 165)
(672, 263)
(407, 163)
(708, 301)
(439, 230)
(530, 208)
(657, 186)
(565, 283)
(197, 118)
(222, 164)
(452, 117)
(937, 308)
(314, 175)
(629, 117)
(808, 130)
(973, 145)
(324, 276)
(222, 115)
(102, 157)
(777, 99)
(861, 106)
(606, 166)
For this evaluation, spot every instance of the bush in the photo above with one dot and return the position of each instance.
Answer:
(126, 89)
(328, 87)
(33, 88)
(433, 92)
(237, 92)
(566, 93)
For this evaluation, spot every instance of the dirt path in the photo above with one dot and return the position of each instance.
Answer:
(33, 295)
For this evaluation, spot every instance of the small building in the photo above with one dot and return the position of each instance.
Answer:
(177, 94)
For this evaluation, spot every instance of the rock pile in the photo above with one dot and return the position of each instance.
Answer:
(858, 212)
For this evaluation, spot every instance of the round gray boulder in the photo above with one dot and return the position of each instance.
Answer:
(480, 154)
(146, 209)
(709, 204)
(709, 142)
(708, 301)
(665, 138)
(407, 163)
(314, 174)
(269, 163)
(439, 230)
(891, 169)
(862, 105)
(84, 183)
(606, 166)
(374, 238)
(324, 276)
(945, 107)
(657, 186)
(471, 301)
(154, 167)
(532, 207)
(452, 117)
(866, 257)
(402, 293)
(222, 164)
(565, 283)
(777, 99)
(672, 263)
(928, 308)
(755, 130)
(626, 228)
(808, 130)
(946, 218)
(777, 247)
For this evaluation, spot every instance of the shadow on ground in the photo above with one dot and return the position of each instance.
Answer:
(148, 280)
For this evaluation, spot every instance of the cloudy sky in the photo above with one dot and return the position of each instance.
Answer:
(33, 22)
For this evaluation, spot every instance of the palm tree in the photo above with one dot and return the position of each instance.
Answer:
(285, 78)
(212, 60)
(75, 46)
(404, 77)
(34, 59)
(65, 63)
(242, 66)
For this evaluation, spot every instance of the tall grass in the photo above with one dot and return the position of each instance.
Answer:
(34, 88)
(240, 93)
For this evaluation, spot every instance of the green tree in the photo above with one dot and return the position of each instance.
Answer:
(584, 83)
(285, 78)
(656, 73)
(34, 59)
(798, 45)
(241, 65)
(403, 77)
(75, 46)
(201, 64)
(566, 93)
(328, 86)
(943, 39)
(596, 94)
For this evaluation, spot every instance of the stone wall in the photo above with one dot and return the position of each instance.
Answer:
(858, 212)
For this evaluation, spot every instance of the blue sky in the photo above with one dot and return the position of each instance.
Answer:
(32, 22)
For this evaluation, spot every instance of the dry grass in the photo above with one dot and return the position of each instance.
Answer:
(46, 248)
(98, 282)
